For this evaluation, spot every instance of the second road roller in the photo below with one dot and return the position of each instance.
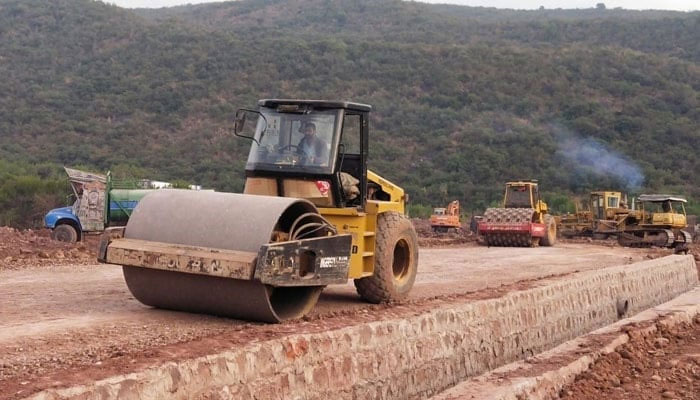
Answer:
(311, 215)
(523, 221)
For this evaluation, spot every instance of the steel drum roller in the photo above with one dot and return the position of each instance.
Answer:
(216, 220)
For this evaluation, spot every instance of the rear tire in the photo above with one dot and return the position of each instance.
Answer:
(550, 237)
(65, 233)
(395, 260)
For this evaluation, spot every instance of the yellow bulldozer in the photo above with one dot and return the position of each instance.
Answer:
(444, 219)
(311, 215)
(523, 220)
(656, 220)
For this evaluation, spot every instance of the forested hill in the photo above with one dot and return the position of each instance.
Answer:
(665, 32)
(464, 98)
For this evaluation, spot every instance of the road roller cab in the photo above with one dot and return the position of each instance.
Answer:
(311, 215)
(327, 167)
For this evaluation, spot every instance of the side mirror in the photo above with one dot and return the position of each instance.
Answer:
(239, 124)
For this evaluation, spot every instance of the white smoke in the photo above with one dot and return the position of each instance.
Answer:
(592, 156)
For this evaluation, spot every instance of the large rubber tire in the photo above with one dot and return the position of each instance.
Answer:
(395, 260)
(65, 233)
(550, 237)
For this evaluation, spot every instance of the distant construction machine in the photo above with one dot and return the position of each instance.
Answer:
(656, 220)
(444, 219)
(100, 202)
(600, 219)
(311, 215)
(523, 220)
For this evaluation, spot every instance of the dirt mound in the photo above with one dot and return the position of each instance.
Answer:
(428, 238)
(694, 249)
(24, 248)
(664, 364)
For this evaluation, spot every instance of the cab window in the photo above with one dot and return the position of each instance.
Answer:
(294, 141)
(678, 208)
(518, 196)
(350, 138)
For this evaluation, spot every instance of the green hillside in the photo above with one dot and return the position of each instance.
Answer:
(464, 98)
(667, 32)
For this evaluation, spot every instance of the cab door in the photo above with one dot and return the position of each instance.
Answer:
(598, 206)
(91, 210)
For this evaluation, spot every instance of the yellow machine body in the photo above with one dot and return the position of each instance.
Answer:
(601, 216)
(535, 202)
(362, 225)
(651, 214)
(657, 220)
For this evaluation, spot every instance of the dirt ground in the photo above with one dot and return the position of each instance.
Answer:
(63, 317)
(661, 365)
(428, 238)
(31, 248)
(664, 364)
(60, 323)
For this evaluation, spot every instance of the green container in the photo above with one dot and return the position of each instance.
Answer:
(122, 203)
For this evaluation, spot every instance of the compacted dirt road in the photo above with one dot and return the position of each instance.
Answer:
(63, 324)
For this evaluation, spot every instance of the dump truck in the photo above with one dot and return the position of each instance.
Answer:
(444, 219)
(656, 220)
(599, 219)
(311, 215)
(523, 221)
(100, 202)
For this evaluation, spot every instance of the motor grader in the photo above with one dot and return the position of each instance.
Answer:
(311, 215)
(600, 219)
(523, 221)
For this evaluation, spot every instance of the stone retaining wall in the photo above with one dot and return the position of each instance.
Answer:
(414, 357)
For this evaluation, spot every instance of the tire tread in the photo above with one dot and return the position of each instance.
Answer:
(377, 288)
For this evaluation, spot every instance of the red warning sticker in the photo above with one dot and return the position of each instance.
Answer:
(323, 187)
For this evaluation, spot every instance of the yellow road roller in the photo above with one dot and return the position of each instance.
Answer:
(311, 215)
(523, 221)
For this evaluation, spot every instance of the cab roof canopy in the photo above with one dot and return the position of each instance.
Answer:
(519, 181)
(274, 103)
(660, 197)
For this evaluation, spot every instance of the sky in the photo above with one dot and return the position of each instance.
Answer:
(679, 5)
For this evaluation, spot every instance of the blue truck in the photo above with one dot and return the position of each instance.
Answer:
(100, 203)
